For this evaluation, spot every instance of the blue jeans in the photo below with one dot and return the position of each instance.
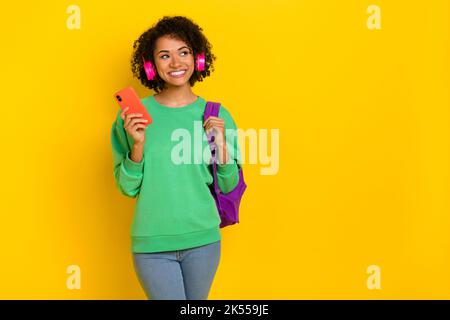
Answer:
(178, 275)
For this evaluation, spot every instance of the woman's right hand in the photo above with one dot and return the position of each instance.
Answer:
(134, 124)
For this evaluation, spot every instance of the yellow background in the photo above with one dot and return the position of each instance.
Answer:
(363, 117)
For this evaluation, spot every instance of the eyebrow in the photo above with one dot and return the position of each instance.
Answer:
(168, 50)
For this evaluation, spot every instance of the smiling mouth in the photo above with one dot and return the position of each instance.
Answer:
(177, 73)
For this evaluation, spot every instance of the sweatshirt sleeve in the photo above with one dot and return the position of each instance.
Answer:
(228, 174)
(128, 174)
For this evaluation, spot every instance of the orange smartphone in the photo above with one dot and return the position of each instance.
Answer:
(127, 97)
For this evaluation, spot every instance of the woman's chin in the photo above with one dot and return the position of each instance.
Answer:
(176, 83)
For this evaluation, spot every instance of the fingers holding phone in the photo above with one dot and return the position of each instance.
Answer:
(138, 117)
(135, 125)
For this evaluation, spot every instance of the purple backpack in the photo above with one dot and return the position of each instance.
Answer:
(227, 204)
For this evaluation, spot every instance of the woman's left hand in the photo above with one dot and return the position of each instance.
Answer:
(216, 126)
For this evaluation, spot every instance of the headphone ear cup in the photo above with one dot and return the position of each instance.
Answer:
(149, 69)
(200, 62)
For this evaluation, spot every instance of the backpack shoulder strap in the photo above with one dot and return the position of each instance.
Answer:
(211, 109)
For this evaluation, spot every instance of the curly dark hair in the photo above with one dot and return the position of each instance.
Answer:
(180, 28)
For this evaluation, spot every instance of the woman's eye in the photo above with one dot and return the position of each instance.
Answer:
(186, 52)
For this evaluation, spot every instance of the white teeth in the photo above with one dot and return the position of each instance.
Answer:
(178, 73)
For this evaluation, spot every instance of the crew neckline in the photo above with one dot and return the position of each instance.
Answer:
(189, 106)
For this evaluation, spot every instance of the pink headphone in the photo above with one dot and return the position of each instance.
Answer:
(150, 70)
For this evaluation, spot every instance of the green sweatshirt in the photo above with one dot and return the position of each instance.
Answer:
(174, 209)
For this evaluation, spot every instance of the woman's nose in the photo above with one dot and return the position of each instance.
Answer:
(174, 62)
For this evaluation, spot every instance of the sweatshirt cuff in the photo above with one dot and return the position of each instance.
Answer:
(227, 169)
(132, 166)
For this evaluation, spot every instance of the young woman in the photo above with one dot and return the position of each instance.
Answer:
(176, 239)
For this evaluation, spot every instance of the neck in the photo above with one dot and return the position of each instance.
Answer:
(176, 96)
